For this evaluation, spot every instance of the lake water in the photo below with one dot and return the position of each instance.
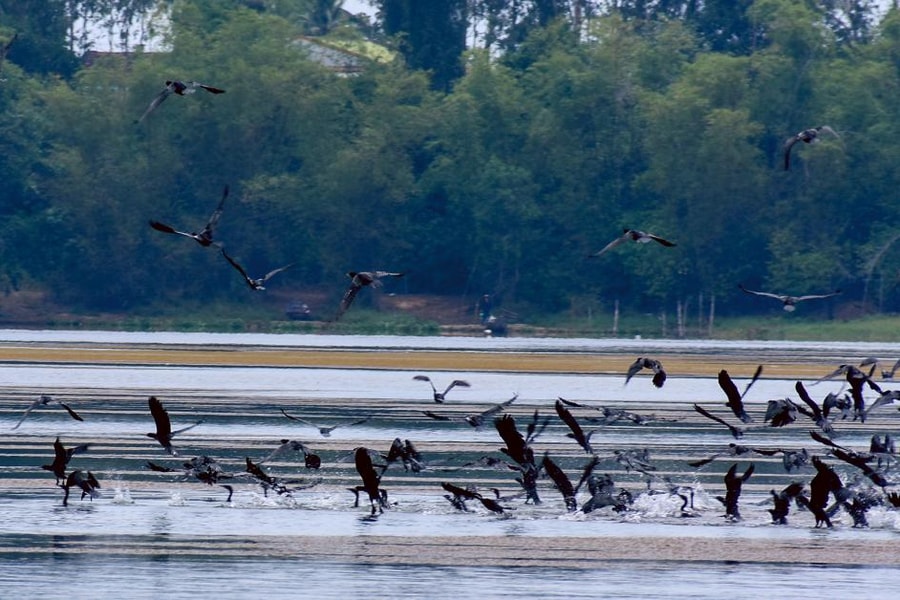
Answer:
(153, 534)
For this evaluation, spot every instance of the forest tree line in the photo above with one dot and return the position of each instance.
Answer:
(498, 168)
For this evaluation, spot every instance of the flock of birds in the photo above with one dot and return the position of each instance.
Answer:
(824, 495)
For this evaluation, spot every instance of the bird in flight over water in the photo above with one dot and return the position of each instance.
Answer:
(164, 433)
(439, 397)
(659, 374)
(359, 280)
(181, 88)
(258, 284)
(205, 236)
(325, 430)
(789, 302)
(633, 235)
(46, 400)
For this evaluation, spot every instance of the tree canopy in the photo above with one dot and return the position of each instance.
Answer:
(494, 166)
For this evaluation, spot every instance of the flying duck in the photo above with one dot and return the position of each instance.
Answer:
(439, 397)
(633, 235)
(359, 280)
(180, 88)
(659, 374)
(789, 302)
(259, 284)
(325, 430)
(46, 400)
(807, 136)
(205, 236)
(164, 433)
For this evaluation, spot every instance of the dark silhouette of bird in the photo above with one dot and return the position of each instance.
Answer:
(633, 235)
(736, 398)
(46, 400)
(459, 495)
(325, 430)
(61, 458)
(825, 482)
(790, 302)
(180, 88)
(807, 136)
(276, 484)
(736, 432)
(518, 448)
(439, 397)
(204, 237)
(857, 379)
(311, 460)
(164, 433)
(359, 280)
(83, 480)
(780, 412)
(885, 373)
(562, 481)
(371, 481)
(476, 420)
(659, 374)
(860, 460)
(576, 432)
(815, 413)
(257, 284)
(732, 450)
(611, 415)
(405, 452)
(883, 448)
(782, 502)
(604, 493)
(203, 468)
(733, 485)
(886, 398)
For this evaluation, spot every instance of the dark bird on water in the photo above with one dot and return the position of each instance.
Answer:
(439, 397)
(46, 400)
(164, 433)
(458, 496)
(325, 430)
(807, 136)
(476, 419)
(371, 481)
(255, 284)
(83, 480)
(789, 302)
(857, 379)
(733, 484)
(61, 458)
(659, 374)
(204, 237)
(359, 280)
(562, 482)
(180, 88)
(633, 235)
(782, 502)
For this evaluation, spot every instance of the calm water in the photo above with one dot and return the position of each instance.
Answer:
(157, 534)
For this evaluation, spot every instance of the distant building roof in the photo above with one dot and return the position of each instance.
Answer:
(343, 56)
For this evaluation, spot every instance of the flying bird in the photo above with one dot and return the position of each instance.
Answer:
(259, 284)
(205, 236)
(633, 235)
(310, 459)
(439, 397)
(164, 433)
(476, 419)
(857, 379)
(577, 433)
(325, 430)
(359, 280)
(459, 495)
(789, 302)
(736, 432)
(659, 374)
(46, 400)
(807, 136)
(85, 481)
(61, 458)
(815, 413)
(180, 88)
(735, 398)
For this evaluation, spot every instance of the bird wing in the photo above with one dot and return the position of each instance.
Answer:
(817, 296)
(569, 420)
(304, 421)
(208, 88)
(456, 383)
(735, 401)
(560, 479)
(633, 369)
(660, 240)
(816, 414)
(788, 144)
(274, 272)
(183, 429)
(217, 214)
(71, 412)
(347, 300)
(167, 91)
(357, 422)
(780, 297)
(610, 246)
(736, 432)
(239, 268)
(160, 417)
(436, 416)
(498, 407)
(379, 274)
(28, 410)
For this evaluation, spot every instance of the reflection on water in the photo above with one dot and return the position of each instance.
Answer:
(173, 536)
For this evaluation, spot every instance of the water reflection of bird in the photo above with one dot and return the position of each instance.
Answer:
(633, 235)
(439, 397)
(807, 136)
(205, 236)
(325, 430)
(164, 433)
(789, 302)
(46, 400)
(659, 374)
(179, 88)
(256, 284)
(359, 280)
